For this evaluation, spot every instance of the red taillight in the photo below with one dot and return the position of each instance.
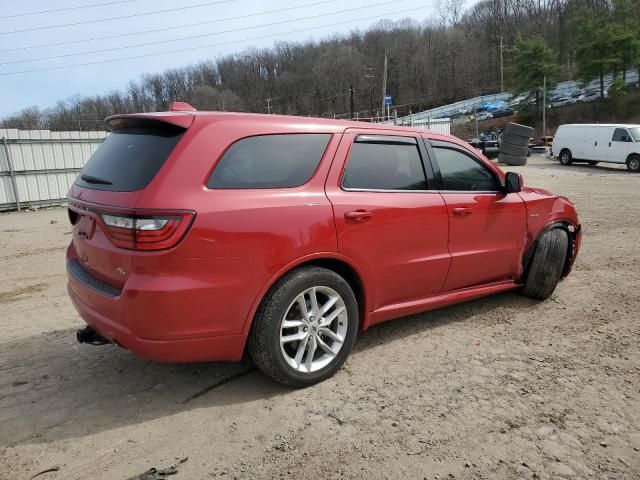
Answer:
(146, 232)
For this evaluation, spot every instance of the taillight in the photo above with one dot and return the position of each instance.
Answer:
(146, 232)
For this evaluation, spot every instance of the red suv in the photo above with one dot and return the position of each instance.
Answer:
(199, 235)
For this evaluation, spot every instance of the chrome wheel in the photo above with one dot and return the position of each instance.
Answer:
(313, 329)
(634, 164)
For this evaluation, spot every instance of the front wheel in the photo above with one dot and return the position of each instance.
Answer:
(305, 327)
(545, 268)
(633, 163)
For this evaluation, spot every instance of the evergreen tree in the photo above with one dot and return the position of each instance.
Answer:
(531, 61)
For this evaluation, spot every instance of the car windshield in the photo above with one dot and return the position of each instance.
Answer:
(635, 133)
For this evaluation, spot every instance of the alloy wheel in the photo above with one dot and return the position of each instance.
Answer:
(313, 329)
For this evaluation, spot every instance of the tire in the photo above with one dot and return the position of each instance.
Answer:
(512, 159)
(280, 305)
(517, 129)
(592, 163)
(515, 139)
(546, 265)
(633, 163)
(515, 150)
(565, 157)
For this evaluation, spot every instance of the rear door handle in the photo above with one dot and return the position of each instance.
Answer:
(358, 215)
(462, 211)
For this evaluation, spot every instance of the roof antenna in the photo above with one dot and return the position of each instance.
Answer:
(181, 107)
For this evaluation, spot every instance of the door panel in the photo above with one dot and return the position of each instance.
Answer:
(485, 242)
(619, 147)
(486, 227)
(399, 238)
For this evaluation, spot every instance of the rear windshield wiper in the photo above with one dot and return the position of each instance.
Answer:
(92, 179)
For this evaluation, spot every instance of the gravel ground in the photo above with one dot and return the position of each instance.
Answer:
(502, 387)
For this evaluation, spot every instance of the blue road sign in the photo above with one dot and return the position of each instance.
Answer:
(388, 100)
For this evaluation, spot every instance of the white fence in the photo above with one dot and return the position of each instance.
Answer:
(37, 167)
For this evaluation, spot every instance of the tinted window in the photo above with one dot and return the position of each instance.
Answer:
(270, 161)
(461, 172)
(129, 158)
(618, 135)
(379, 166)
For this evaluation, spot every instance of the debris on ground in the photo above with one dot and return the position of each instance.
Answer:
(162, 474)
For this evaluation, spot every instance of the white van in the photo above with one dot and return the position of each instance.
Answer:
(595, 143)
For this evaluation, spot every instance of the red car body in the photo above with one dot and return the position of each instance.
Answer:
(195, 298)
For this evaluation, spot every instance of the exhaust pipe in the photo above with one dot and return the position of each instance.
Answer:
(90, 336)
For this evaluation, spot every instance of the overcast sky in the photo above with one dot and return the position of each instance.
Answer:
(216, 37)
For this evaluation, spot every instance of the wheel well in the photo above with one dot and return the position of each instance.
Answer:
(348, 273)
(633, 155)
(571, 232)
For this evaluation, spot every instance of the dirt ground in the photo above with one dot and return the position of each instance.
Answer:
(498, 388)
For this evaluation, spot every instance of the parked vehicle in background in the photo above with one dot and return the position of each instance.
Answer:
(561, 102)
(517, 100)
(575, 96)
(595, 143)
(490, 147)
(484, 116)
(590, 96)
(502, 112)
(199, 235)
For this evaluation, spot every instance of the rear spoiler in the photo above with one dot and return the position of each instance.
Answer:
(181, 120)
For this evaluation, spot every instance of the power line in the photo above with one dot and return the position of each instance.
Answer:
(199, 47)
(190, 37)
(85, 22)
(163, 29)
(66, 9)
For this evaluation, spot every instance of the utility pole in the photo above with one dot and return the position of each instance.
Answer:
(501, 65)
(268, 106)
(351, 102)
(370, 76)
(475, 116)
(544, 107)
(384, 82)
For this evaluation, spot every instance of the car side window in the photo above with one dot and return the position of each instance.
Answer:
(620, 135)
(384, 166)
(270, 161)
(460, 172)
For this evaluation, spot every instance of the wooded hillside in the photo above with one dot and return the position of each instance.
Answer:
(452, 55)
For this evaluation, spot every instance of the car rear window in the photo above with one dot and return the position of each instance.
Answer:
(270, 161)
(129, 158)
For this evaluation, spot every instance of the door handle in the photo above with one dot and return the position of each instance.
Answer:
(358, 215)
(462, 211)
(609, 143)
(596, 144)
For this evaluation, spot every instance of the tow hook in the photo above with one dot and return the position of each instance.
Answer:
(90, 336)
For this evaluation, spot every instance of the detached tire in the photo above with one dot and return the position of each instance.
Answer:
(512, 160)
(305, 327)
(514, 150)
(546, 265)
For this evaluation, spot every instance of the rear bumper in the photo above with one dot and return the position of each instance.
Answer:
(209, 348)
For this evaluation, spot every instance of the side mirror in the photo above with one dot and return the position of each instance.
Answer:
(513, 182)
